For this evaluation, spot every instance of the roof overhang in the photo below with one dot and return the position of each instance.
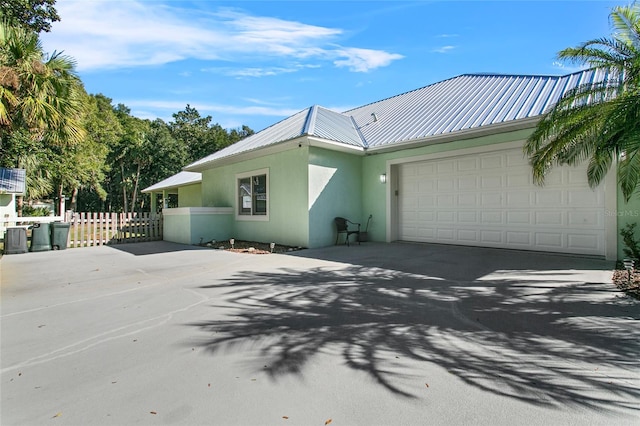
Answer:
(315, 141)
(275, 148)
(493, 129)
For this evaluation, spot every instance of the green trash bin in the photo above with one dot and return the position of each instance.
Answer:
(40, 237)
(15, 241)
(59, 235)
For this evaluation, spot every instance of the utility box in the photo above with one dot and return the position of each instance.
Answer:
(15, 241)
(59, 235)
(40, 237)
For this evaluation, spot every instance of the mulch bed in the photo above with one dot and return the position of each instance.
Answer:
(629, 284)
(250, 247)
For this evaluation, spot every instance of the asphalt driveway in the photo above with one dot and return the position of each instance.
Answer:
(159, 333)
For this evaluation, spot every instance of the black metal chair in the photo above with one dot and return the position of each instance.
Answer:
(342, 225)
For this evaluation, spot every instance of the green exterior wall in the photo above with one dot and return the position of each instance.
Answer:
(190, 195)
(288, 222)
(335, 189)
(196, 225)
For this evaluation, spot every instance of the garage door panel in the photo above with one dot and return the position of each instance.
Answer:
(518, 199)
(585, 218)
(446, 234)
(516, 159)
(519, 238)
(490, 237)
(519, 217)
(467, 183)
(519, 180)
(426, 201)
(549, 240)
(467, 200)
(445, 200)
(446, 167)
(546, 218)
(467, 217)
(446, 216)
(467, 164)
(468, 235)
(488, 162)
(490, 200)
(584, 242)
(446, 184)
(585, 198)
(491, 217)
(549, 198)
(491, 182)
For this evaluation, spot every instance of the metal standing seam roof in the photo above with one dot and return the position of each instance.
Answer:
(13, 181)
(466, 102)
(313, 121)
(179, 179)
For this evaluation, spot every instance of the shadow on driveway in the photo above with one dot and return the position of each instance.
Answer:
(154, 247)
(540, 334)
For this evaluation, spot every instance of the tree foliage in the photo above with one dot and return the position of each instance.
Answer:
(33, 15)
(80, 146)
(597, 122)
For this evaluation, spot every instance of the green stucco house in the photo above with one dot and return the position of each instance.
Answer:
(440, 164)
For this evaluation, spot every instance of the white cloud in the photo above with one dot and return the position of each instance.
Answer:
(258, 71)
(567, 69)
(364, 60)
(447, 35)
(104, 34)
(206, 108)
(444, 49)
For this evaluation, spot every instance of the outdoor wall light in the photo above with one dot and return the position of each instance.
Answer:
(628, 265)
(272, 245)
(383, 178)
(232, 242)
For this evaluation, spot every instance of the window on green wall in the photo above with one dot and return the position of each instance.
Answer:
(253, 195)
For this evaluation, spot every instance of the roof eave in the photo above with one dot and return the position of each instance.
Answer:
(169, 188)
(521, 124)
(247, 155)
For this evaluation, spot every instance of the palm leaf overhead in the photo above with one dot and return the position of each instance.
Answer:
(597, 122)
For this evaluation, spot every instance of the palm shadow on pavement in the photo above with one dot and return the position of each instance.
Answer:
(542, 339)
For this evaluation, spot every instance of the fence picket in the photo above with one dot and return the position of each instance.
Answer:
(88, 229)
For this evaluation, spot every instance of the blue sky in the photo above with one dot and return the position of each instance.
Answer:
(257, 62)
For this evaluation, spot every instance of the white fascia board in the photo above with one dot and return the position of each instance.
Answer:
(335, 146)
(458, 135)
(248, 155)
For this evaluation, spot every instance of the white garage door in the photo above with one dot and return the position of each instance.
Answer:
(490, 200)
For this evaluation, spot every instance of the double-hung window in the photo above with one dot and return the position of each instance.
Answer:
(253, 195)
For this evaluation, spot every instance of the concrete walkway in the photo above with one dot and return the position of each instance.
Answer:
(377, 334)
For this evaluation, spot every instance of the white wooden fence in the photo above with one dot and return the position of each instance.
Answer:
(96, 229)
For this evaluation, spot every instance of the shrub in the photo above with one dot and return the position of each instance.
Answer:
(27, 210)
(632, 245)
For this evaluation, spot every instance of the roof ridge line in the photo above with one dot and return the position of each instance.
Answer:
(310, 123)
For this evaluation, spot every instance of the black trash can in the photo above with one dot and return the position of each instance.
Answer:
(40, 237)
(15, 241)
(59, 235)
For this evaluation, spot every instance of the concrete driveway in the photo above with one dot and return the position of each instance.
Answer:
(377, 334)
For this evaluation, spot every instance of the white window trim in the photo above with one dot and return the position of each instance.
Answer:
(251, 217)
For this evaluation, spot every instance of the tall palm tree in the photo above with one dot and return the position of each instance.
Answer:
(41, 102)
(597, 122)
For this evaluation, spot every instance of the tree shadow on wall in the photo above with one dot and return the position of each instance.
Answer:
(549, 343)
